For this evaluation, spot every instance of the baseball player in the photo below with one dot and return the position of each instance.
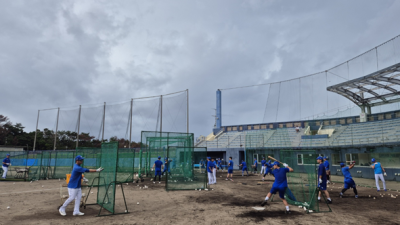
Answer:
(6, 164)
(222, 164)
(244, 168)
(328, 172)
(157, 164)
(214, 171)
(280, 184)
(219, 164)
(348, 179)
(74, 186)
(166, 167)
(202, 166)
(268, 170)
(255, 166)
(378, 169)
(263, 166)
(210, 171)
(322, 180)
(230, 169)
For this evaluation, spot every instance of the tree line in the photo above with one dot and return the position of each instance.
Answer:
(14, 135)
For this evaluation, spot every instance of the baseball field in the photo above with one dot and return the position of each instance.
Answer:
(227, 202)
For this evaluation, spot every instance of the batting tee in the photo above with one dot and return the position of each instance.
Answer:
(154, 144)
(184, 176)
(107, 180)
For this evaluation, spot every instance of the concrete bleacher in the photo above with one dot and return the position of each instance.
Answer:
(373, 132)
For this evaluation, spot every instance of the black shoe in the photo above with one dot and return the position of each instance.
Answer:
(264, 203)
(288, 212)
(329, 201)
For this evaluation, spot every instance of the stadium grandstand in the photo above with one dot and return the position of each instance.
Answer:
(305, 114)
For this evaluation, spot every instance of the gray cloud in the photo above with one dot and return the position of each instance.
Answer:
(67, 53)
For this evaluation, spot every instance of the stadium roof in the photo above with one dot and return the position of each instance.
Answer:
(378, 88)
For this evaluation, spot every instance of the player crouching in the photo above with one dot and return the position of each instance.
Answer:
(348, 179)
(280, 184)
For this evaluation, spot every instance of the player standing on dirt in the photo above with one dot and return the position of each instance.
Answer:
(244, 167)
(6, 164)
(166, 167)
(255, 166)
(269, 169)
(202, 166)
(214, 171)
(280, 184)
(322, 180)
(263, 167)
(219, 164)
(157, 164)
(210, 170)
(348, 179)
(328, 172)
(74, 186)
(230, 169)
(378, 169)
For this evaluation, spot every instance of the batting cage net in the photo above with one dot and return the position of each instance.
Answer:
(155, 144)
(107, 178)
(184, 173)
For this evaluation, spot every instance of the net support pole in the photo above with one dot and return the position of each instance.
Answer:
(187, 111)
(104, 120)
(37, 123)
(79, 126)
(130, 125)
(55, 135)
(161, 113)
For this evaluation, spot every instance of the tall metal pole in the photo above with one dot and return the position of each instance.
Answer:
(79, 126)
(37, 123)
(130, 129)
(161, 113)
(187, 111)
(55, 135)
(104, 120)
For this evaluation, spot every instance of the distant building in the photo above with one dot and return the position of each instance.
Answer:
(12, 148)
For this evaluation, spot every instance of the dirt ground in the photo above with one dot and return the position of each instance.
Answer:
(228, 203)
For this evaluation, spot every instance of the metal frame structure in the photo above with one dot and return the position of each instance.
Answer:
(362, 91)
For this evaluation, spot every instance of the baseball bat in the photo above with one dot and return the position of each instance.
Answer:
(274, 159)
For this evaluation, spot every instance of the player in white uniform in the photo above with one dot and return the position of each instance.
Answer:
(378, 169)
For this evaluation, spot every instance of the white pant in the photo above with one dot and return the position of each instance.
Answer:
(210, 178)
(215, 176)
(73, 194)
(377, 177)
(263, 169)
(5, 169)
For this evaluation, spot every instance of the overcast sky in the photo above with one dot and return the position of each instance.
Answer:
(67, 53)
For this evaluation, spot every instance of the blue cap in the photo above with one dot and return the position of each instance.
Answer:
(276, 163)
(319, 158)
(342, 164)
(269, 161)
(208, 157)
(79, 158)
(165, 158)
(263, 157)
(159, 157)
(8, 155)
(326, 157)
(373, 160)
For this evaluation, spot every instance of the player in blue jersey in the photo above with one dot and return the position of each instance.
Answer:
(255, 166)
(210, 171)
(6, 164)
(268, 170)
(214, 171)
(219, 164)
(348, 179)
(157, 164)
(280, 184)
(322, 180)
(202, 166)
(74, 186)
(263, 166)
(230, 169)
(166, 166)
(379, 173)
(244, 168)
(328, 171)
